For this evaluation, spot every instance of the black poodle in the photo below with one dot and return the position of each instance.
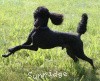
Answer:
(42, 37)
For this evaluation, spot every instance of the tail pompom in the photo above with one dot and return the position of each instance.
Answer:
(56, 19)
(82, 27)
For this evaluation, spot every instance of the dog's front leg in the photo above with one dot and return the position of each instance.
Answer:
(29, 39)
(28, 42)
(29, 47)
(13, 50)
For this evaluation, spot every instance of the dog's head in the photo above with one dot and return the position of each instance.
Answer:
(41, 16)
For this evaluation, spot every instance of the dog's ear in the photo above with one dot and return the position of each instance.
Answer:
(56, 19)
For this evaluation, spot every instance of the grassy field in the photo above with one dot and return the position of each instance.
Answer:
(16, 19)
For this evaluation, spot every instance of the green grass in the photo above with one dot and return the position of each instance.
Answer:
(16, 19)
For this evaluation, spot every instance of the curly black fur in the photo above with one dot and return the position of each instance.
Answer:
(81, 29)
(43, 37)
(56, 19)
(41, 12)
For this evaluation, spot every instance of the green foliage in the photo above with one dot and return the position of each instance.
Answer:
(16, 19)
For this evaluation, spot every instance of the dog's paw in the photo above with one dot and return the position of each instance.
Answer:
(5, 55)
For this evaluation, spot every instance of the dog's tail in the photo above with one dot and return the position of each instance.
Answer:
(82, 27)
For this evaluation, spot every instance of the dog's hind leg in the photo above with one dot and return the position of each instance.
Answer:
(84, 57)
(71, 54)
(80, 54)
